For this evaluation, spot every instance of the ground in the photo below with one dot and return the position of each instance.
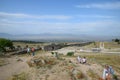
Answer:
(62, 70)
(13, 66)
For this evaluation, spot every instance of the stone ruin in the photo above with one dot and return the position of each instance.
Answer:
(59, 46)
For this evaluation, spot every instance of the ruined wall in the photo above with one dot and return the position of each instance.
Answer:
(59, 46)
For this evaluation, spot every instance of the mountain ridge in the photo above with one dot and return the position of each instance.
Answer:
(56, 36)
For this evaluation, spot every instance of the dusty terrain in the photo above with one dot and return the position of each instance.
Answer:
(13, 66)
(64, 69)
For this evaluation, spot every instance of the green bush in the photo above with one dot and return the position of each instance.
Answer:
(70, 53)
(52, 53)
(5, 43)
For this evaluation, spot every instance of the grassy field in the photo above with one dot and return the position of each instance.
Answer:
(112, 45)
(106, 45)
(104, 59)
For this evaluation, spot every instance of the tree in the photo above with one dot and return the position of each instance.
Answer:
(5, 43)
(117, 40)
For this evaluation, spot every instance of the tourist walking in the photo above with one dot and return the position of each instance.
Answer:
(33, 51)
(28, 50)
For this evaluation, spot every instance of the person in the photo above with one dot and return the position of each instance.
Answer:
(33, 51)
(111, 70)
(28, 50)
(79, 59)
(106, 73)
(84, 60)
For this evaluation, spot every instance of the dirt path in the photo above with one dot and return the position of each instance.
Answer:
(15, 65)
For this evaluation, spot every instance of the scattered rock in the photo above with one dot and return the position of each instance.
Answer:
(41, 61)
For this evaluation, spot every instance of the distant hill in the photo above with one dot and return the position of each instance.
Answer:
(57, 37)
(5, 35)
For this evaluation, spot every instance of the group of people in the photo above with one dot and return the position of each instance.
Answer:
(29, 50)
(108, 72)
(81, 60)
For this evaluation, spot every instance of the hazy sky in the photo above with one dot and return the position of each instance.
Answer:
(93, 17)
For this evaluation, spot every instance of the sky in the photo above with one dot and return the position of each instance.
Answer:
(90, 17)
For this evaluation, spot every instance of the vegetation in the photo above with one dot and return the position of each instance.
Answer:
(48, 66)
(103, 59)
(52, 53)
(116, 40)
(2, 62)
(92, 74)
(80, 75)
(41, 62)
(70, 53)
(27, 41)
(5, 43)
(107, 45)
(21, 76)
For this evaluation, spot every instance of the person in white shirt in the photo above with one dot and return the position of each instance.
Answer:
(84, 60)
(28, 50)
(79, 59)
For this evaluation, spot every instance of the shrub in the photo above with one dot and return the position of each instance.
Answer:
(77, 75)
(52, 53)
(70, 53)
(5, 43)
(80, 75)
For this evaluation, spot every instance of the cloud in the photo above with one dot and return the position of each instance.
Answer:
(95, 16)
(108, 5)
(21, 15)
(96, 27)
(18, 26)
(51, 18)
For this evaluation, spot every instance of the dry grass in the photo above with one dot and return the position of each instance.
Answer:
(77, 76)
(107, 45)
(103, 59)
(39, 61)
(112, 45)
(65, 65)
(21, 76)
(92, 74)
(92, 45)
(2, 62)
(22, 44)
(80, 75)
